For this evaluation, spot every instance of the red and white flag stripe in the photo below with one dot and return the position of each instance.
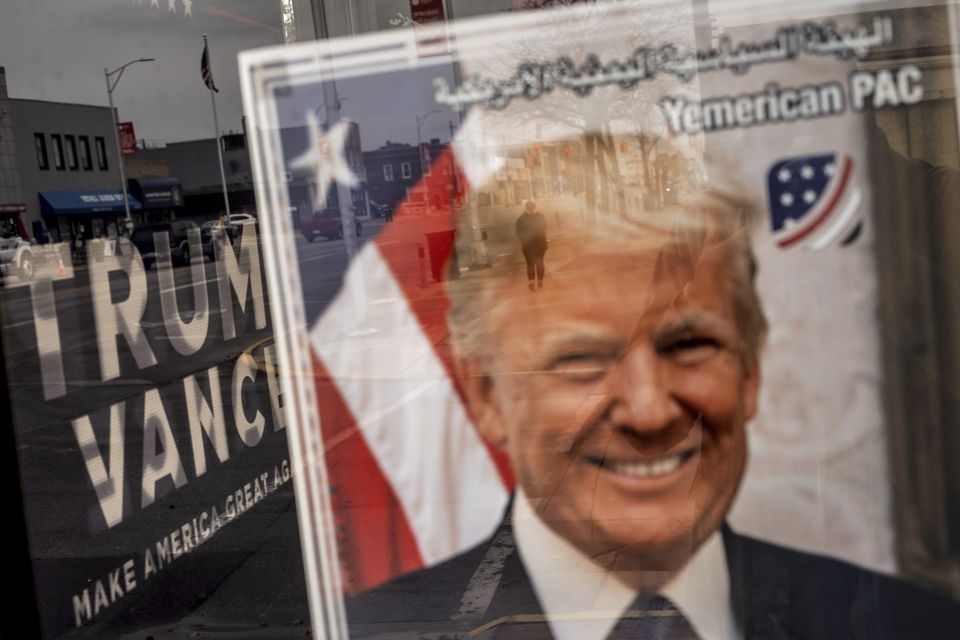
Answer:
(412, 483)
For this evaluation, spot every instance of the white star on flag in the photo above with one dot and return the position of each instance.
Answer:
(188, 8)
(326, 158)
(172, 6)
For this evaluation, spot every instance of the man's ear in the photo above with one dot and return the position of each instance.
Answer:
(478, 387)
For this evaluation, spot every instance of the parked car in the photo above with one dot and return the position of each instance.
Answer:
(16, 257)
(240, 218)
(142, 238)
(209, 232)
(378, 210)
(326, 224)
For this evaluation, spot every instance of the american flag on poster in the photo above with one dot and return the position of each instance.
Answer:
(411, 483)
(405, 480)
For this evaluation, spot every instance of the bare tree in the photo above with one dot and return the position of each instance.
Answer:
(603, 114)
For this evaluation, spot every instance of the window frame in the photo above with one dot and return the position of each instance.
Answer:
(387, 172)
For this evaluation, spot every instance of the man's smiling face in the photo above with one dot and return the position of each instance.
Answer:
(620, 395)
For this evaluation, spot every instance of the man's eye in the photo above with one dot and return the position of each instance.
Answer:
(581, 366)
(691, 350)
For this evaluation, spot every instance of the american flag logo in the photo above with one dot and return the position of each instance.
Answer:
(814, 202)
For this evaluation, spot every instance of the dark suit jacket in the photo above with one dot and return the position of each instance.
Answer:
(776, 594)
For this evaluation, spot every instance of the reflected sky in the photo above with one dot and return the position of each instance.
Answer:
(55, 50)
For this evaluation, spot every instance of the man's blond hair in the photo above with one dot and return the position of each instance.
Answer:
(716, 215)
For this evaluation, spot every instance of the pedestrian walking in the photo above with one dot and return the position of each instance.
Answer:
(531, 229)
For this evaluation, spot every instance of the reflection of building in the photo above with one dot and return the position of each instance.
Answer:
(395, 168)
(66, 166)
(12, 202)
(195, 164)
(301, 183)
(534, 170)
(60, 177)
(160, 198)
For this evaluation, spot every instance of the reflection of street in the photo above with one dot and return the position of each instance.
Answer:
(30, 262)
(322, 266)
(73, 295)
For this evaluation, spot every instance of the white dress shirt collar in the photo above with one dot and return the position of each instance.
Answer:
(583, 601)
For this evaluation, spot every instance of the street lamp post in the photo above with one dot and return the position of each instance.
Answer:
(111, 85)
(420, 121)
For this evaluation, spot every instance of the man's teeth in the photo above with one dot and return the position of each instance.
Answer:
(644, 469)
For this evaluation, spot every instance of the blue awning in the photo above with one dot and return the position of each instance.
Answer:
(84, 202)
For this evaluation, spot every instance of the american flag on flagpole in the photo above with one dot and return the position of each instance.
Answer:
(205, 71)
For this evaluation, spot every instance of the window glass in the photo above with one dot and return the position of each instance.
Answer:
(102, 162)
(41, 147)
(85, 158)
(572, 319)
(71, 147)
(56, 142)
(147, 439)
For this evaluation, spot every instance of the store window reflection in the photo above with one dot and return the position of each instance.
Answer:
(152, 456)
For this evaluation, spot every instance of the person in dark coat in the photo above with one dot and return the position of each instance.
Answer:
(531, 231)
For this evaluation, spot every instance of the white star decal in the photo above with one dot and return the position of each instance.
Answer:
(325, 158)
(155, 3)
(786, 199)
(172, 6)
(188, 8)
(829, 170)
(789, 223)
(807, 172)
(809, 196)
(784, 175)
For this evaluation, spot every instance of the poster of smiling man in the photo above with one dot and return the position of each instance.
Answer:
(648, 329)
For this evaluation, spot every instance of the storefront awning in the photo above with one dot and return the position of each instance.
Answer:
(157, 193)
(85, 202)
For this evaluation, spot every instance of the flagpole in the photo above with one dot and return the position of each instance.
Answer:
(216, 127)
